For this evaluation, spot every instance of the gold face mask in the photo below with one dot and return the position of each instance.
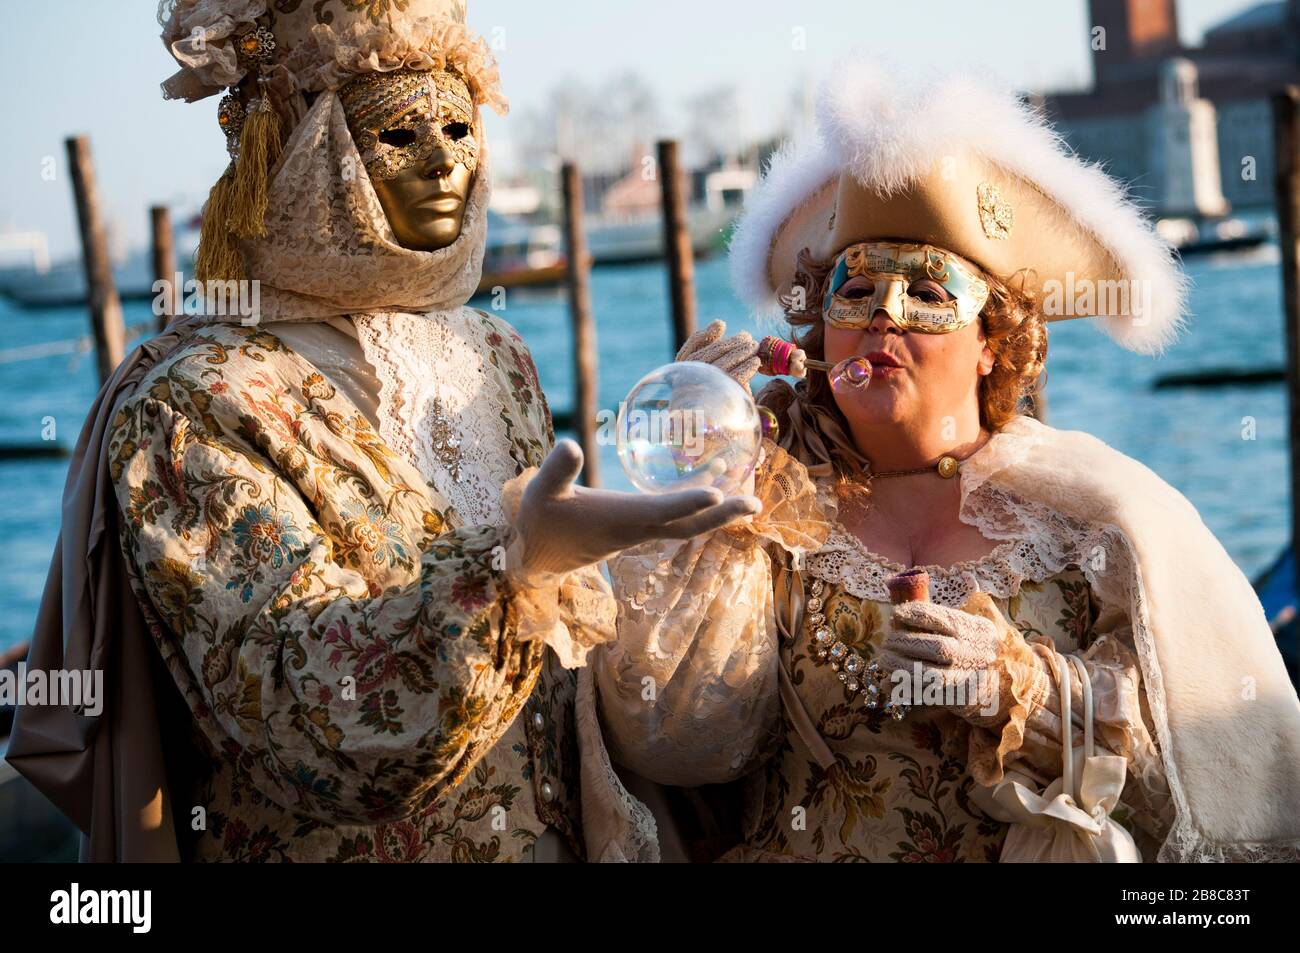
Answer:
(415, 132)
(900, 279)
(400, 119)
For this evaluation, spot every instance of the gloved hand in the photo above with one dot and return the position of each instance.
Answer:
(737, 356)
(974, 647)
(563, 526)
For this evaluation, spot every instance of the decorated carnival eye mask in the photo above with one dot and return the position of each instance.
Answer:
(903, 280)
(399, 119)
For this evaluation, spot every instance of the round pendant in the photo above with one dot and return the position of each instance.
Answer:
(947, 467)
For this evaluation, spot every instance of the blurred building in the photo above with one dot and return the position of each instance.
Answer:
(1190, 129)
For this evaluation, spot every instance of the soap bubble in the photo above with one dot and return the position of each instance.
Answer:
(851, 375)
(688, 425)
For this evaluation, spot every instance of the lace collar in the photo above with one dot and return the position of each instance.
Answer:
(844, 560)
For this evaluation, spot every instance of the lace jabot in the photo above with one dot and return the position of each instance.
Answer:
(438, 405)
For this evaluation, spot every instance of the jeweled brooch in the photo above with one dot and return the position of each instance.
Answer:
(860, 677)
(256, 46)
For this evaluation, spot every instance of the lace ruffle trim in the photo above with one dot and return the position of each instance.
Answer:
(332, 57)
(845, 561)
(201, 36)
(793, 516)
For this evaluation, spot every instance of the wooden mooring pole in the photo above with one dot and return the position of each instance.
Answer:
(164, 263)
(1286, 143)
(578, 271)
(101, 295)
(678, 251)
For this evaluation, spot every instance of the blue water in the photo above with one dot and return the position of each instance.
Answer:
(1192, 438)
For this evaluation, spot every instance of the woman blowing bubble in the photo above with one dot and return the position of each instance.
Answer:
(930, 229)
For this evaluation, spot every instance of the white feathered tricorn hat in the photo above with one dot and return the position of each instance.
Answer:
(964, 164)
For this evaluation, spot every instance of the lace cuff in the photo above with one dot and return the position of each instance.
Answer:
(570, 612)
(1119, 724)
(1023, 685)
(1117, 720)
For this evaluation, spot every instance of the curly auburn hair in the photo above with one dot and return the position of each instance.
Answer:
(1014, 330)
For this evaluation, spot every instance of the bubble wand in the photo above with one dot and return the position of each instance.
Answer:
(778, 358)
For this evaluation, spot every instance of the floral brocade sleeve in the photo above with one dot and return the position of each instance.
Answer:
(330, 631)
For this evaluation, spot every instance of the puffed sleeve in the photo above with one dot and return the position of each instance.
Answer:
(355, 664)
(688, 693)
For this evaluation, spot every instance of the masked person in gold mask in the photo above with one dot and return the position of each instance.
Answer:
(337, 577)
(416, 134)
(934, 226)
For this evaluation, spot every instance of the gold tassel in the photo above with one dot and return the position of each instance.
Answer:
(217, 258)
(259, 150)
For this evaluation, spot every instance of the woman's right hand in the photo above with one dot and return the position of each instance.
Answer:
(564, 526)
(736, 356)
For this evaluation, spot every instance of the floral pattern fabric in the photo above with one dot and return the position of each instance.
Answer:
(344, 646)
(898, 790)
(715, 680)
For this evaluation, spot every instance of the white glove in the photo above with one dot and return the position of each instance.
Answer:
(942, 637)
(564, 526)
(737, 356)
(974, 645)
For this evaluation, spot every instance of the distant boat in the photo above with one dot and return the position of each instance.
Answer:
(629, 227)
(1203, 237)
(22, 254)
(520, 254)
(624, 240)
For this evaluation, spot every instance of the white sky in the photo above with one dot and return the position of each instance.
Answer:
(93, 66)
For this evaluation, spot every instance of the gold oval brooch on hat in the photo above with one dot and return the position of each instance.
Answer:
(996, 216)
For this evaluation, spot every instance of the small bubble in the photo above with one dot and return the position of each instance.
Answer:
(851, 375)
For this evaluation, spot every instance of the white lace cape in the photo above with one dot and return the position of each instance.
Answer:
(1226, 716)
